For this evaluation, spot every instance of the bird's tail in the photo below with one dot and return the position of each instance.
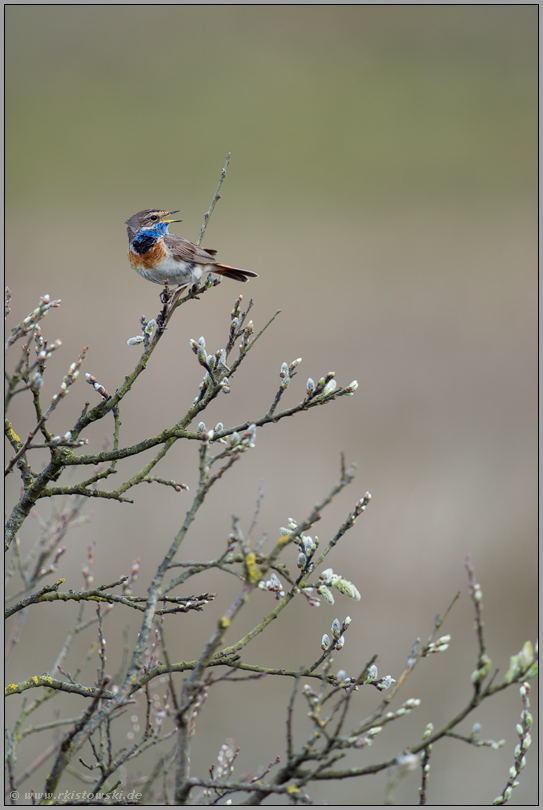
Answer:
(234, 272)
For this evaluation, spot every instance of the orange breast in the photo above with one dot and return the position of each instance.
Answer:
(150, 259)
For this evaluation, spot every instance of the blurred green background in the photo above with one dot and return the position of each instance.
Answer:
(384, 186)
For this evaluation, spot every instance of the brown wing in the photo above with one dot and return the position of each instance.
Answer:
(185, 251)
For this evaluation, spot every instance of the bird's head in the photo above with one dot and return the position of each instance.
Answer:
(149, 220)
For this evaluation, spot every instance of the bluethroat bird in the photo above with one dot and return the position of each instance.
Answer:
(161, 256)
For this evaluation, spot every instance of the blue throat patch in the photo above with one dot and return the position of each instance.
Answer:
(148, 237)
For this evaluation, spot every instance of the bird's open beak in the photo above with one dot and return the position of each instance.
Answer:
(167, 221)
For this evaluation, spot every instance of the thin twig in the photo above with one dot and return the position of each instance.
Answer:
(216, 197)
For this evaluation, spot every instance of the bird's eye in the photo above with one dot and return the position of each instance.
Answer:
(154, 218)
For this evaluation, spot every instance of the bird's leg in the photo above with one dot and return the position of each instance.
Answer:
(165, 295)
(176, 295)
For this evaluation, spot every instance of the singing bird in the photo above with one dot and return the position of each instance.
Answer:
(159, 256)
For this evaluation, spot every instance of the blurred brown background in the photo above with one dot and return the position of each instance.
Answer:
(383, 185)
